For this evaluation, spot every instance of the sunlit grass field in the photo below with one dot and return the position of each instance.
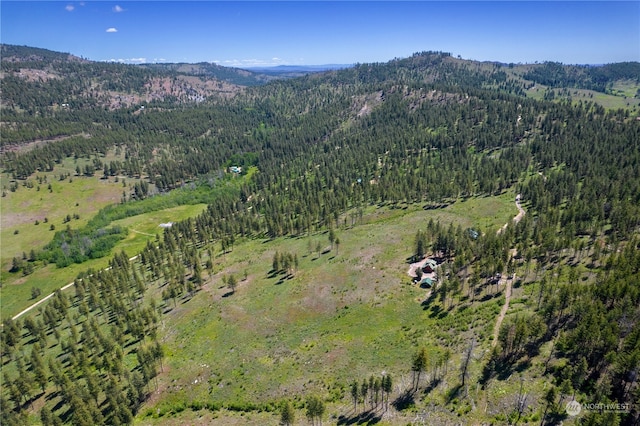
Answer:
(79, 197)
(344, 314)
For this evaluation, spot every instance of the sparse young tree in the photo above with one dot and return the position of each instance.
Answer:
(275, 264)
(287, 414)
(315, 409)
(418, 366)
(387, 387)
(550, 399)
(355, 394)
(466, 362)
(420, 243)
(232, 283)
(377, 386)
(364, 391)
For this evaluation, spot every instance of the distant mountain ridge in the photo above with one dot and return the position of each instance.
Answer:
(13, 53)
(40, 78)
(297, 69)
(36, 79)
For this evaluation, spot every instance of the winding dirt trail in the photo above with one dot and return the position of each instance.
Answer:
(505, 307)
(517, 218)
(506, 280)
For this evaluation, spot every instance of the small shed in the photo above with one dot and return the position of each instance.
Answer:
(429, 266)
(426, 282)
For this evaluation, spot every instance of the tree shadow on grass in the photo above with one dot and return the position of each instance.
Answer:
(284, 278)
(432, 385)
(453, 393)
(438, 312)
(368, 418)
(405, 400)
(130, 343)
(272, 274)
(488, 296)
(52, 395)
(555, 418)
(66, 415)
(425, 303)
(502, 369)
(228, 294)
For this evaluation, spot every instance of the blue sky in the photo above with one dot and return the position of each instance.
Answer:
(244, 34)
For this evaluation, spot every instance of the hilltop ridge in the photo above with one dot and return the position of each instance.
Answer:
(40, 78)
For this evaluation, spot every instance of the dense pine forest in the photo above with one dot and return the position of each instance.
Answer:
(303, 165)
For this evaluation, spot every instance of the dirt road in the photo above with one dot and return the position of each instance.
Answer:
(19, 314)
(505, 279)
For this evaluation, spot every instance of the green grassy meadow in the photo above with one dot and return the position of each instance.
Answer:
(346, 313)
(33, 201)
(342, 316)
(622, 96)
(21, 209)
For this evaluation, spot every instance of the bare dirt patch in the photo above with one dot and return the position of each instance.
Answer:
(365, 104)
(28, 146)
(36, 75)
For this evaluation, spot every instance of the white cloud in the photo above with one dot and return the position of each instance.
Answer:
(69, 8)
(112, 30)
(129, 60)
(118, 9)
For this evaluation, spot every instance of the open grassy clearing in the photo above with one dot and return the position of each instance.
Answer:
(608, 101)
(89, 195)
(16, 289)
(33, 200)
(621, 99)
(79, 195)
(146, 226)
(20, 210)
(487, 214)
(628, 88)
(45, 195)
(344, 315)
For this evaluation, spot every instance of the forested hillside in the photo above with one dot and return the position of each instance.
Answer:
(43, 82)
(349, 153)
